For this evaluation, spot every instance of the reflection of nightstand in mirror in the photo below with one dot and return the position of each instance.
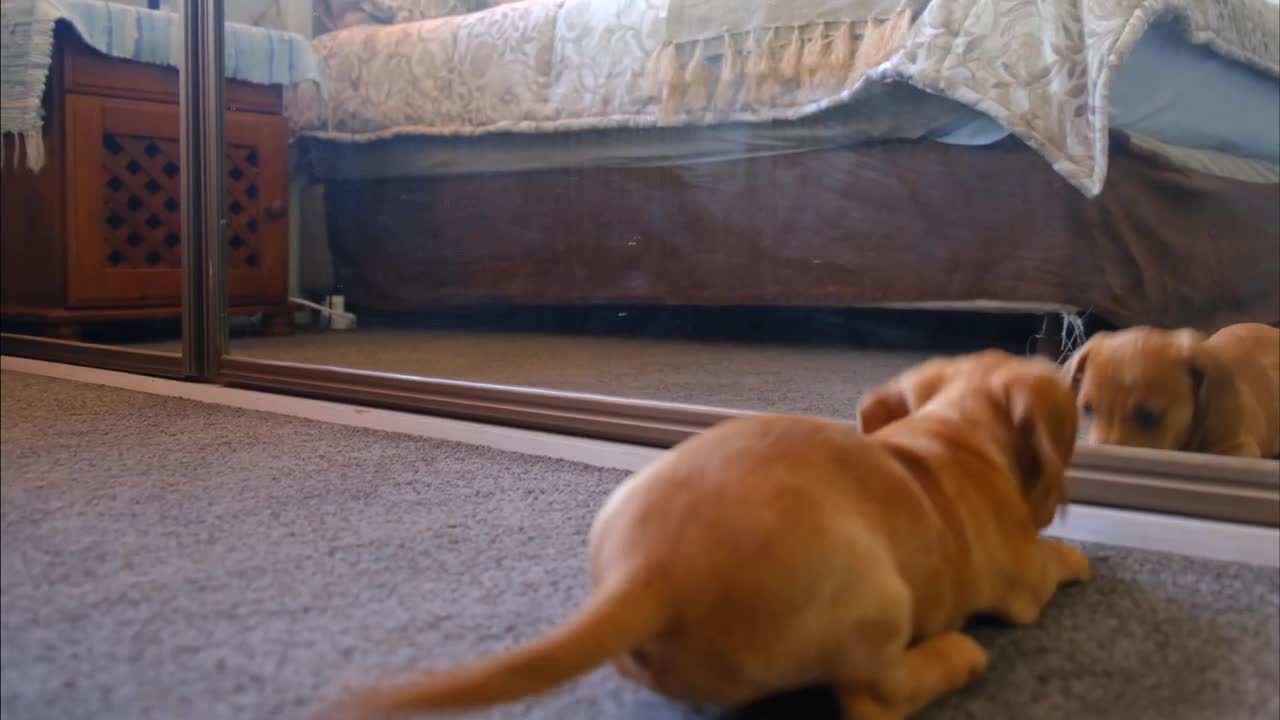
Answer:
(94, 236)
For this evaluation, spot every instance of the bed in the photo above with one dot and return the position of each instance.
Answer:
(1065, 156)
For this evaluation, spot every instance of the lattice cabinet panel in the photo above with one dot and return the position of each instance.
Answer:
(142, 210)
(143, 203)
(244, 207)
(125, 217)
(96, 235)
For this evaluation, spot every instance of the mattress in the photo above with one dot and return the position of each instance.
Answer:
(521, 74)
(1173, 91)
(902, 113)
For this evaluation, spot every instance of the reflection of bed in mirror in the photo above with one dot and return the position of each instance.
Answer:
(550, 153)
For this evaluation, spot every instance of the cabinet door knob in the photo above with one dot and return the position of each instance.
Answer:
(276, 211)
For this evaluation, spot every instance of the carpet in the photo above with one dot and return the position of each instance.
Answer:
(806, 360)
(817, 380)
(168, 559)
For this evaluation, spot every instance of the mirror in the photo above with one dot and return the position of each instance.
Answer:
(91, 227)
(760, 210)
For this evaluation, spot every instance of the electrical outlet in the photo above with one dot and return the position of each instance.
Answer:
(339, 318)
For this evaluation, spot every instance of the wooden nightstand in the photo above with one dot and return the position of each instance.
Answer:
(94, 237)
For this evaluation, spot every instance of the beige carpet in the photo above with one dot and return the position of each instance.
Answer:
(816, 380)
(807, 360)
(169, 560)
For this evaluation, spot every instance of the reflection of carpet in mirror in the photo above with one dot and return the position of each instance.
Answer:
(816, 380)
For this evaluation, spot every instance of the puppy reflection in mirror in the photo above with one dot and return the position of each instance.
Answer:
(1182, 390)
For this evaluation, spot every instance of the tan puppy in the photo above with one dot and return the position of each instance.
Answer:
(775, 552)
(1181, 390)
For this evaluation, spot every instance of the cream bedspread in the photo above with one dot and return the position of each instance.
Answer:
(1041, 67)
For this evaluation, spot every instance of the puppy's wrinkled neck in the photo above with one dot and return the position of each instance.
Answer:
(973, 423)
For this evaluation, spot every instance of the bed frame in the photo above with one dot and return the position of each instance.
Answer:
(872, 224)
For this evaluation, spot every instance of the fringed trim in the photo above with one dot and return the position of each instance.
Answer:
(717, 77)
(790, 68)
(761, 81)
(28, 150)
(881, 41)
(729, 84)
(696, 79)
(832, 72)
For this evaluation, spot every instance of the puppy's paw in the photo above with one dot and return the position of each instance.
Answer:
(866, 707)
(1019, 609)
(965, 659)
(935, 667)
(1075, 564)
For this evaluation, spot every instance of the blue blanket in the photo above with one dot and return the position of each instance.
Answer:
(255, 55)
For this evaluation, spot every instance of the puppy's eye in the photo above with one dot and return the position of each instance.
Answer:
(1146, 418)
(1087, 410)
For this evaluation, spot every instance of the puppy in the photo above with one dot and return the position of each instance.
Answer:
(774, 552)
(1181, 390)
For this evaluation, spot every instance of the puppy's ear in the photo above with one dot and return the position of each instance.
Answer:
(1074, 368)
(901, 396)
(883, 406)
(1218, 409)
(1044, 426)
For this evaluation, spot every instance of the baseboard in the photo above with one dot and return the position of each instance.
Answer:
(1085, 523)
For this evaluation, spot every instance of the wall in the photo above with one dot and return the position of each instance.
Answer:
(291, 15)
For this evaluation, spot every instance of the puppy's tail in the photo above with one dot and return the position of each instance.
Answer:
(613, 621)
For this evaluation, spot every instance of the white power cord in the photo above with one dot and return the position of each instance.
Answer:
(339, 318)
